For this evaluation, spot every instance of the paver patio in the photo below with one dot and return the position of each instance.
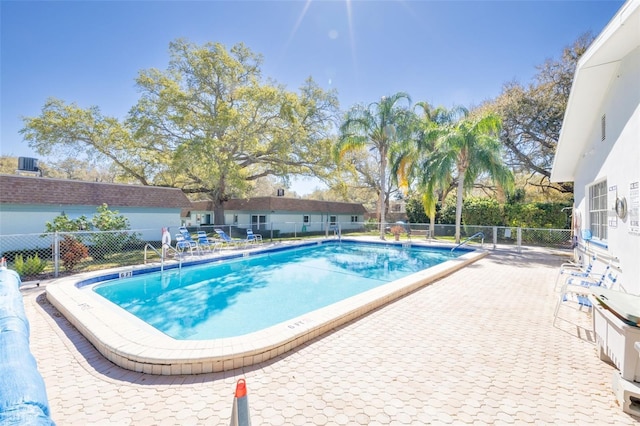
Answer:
(476, 347)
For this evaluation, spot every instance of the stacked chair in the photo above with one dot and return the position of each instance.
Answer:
(253, 238)
(572, 269)
(184, 241)
(579, 284)
(207, 244)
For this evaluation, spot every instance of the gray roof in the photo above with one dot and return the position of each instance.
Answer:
(15, 189)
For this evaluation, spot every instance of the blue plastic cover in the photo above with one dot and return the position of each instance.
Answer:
(23, 397)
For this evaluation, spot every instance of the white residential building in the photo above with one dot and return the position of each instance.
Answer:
(599, 145)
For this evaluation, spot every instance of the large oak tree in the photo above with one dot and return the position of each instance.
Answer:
(532, 116)
(208, 124)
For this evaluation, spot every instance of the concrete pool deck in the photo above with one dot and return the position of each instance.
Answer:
(476, 347)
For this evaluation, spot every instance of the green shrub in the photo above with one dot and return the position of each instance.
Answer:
(447, 214)
(536, 215)
(489, 212)
(110, 242)
(102, 243)
(371, 225)
(32, 266)
(415, 211)
(43, 253)
(482, 211)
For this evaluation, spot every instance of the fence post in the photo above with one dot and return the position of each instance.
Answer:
(495, 237)
(519, 239)
(56, 254)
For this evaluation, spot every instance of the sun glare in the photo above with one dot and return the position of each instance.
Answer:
(352, 39)
(333, 34)
(294, 30)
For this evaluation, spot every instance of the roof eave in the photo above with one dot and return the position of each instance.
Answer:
(594, 73)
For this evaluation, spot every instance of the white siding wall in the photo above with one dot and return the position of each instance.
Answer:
(287, 222)
(206, 218)
(31, 219)
(616, 159)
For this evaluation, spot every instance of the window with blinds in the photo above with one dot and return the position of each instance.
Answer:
(598, 210)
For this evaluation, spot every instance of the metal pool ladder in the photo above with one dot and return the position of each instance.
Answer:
(477, 234)
(167, 247)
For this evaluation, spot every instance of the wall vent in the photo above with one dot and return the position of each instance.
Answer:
(603, 126)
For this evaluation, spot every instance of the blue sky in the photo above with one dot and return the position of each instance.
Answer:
(444, 52)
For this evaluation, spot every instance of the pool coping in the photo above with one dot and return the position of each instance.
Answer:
(131, 344)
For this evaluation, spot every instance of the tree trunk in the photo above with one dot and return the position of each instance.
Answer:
(459, 205)
(218, 197)
(432, 223)
(381, 204)
(218, 212)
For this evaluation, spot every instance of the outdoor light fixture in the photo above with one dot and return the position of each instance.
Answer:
(621, 207)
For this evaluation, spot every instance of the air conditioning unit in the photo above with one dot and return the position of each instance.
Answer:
(28, 164)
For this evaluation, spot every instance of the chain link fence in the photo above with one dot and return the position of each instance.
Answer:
(47, 255)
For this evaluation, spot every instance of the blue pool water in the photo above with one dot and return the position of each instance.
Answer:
(237, 297)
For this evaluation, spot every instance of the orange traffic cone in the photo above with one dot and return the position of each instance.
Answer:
(240, 411)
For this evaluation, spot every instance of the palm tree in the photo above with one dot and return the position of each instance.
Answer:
(411, 161)
(469, 147)
(378, 126)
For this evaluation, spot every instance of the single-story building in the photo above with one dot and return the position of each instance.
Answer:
(287, 215)
(28, 202)
(599, 146)
(199, 213)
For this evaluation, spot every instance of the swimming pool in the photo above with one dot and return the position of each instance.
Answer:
(131, 343)
(245, 295)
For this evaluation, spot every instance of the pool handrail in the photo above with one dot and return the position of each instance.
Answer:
(477, 234)
(164, 247)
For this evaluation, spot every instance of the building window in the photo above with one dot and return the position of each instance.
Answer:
(354, 219)
(258, 222)
(598, 210)
(235, 219)
(305, 218)
(332, 220)
(603, 126)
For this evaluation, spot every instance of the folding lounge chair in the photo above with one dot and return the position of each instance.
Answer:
(187, 236)
(185, 233)
(253, 238)
(572, 269)
(578, 289)
(227, 239)
(182, 245)
(206, 243)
